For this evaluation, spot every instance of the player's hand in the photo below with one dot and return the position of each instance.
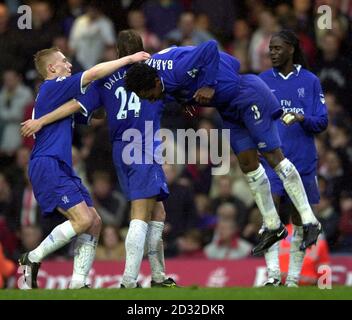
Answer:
(30, 127)
(290, 118)
(139, 56)
(204, 95)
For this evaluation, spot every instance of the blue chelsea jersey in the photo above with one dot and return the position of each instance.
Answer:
(183, 70)
(55, 139)
(299, 92)
(125, 110)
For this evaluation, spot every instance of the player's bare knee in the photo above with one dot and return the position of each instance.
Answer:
(249, 166)
(85, 221)
(159, 214)
(274, 157)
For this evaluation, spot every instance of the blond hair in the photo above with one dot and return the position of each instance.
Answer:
(41, 58)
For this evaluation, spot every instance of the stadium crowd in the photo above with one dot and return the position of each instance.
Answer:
(207, 216)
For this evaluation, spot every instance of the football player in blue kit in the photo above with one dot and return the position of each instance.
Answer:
(55, 184)
(202, 75)
(144, 183)
(305, 114)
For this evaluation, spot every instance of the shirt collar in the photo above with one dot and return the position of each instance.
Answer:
(296, 72)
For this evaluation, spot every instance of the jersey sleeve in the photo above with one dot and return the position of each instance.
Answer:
(70, 87)
(89, 102)
(318, 120)
(202, 61)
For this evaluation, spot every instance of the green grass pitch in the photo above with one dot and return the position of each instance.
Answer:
(189, 293)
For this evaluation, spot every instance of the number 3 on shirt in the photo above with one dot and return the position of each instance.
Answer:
(132, 104)
(256, 112)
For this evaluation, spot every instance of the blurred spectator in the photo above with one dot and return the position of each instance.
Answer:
(41, 35)
(111, 247)
(303, 11)
(206, 216)
(221, 13)
(5, 196)
(162, 16)
(25, 209)
(30, 238)
(69, 12)
(240, 45)
(198, 174)
(239, 186)
(91, 33)
(345, 225)
(260, 40)
(190, 245)
(79, 166)
(14, 96)
(17, 171)
(328, 218)
(227, 243)
(96, 150)
(332, 169)
(315, 257)
(331, 69)
(187, 31)
(7, 268)
(225, 195)
(180, 210)
(255, 222)
(136, 21)
(9, 43)
(335, 109)
(340, 137)
(7, 235)
(110, 204)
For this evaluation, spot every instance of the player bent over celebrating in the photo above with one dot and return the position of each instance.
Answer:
(55, 184)
(204, 76)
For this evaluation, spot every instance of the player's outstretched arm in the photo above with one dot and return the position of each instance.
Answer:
(103, 69)
(32, 126)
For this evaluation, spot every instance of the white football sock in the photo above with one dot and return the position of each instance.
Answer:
(61, 235)
(272, 262)
(156, 250)
(293, 185)
(84, 254)
(260, 187)
(134, 244)
(296, 256)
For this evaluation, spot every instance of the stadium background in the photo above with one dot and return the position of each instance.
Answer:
(208, 217)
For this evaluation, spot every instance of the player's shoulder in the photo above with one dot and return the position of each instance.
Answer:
(267, 74)
(308, 75)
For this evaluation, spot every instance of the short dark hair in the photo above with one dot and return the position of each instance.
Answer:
(140, 77)
(129, 42)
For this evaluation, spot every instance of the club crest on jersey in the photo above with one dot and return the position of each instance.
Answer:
(300, 92)
(65, 199)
